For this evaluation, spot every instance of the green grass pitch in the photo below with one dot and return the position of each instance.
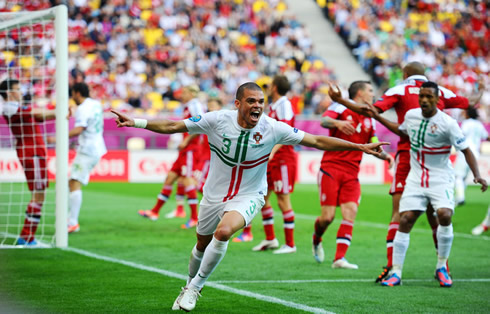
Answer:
(120, 262)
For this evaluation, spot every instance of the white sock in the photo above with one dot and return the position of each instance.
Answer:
(459, 189)
(213, 255)
(400, 247)
(444, 242)
(194, 263)
(486, 221)
(75, 200)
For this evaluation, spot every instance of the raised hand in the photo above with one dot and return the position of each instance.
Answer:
(123, 120)
(334, 93)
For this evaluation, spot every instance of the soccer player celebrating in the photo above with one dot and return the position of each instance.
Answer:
(185, 164)
(23, 120)
(431, 178)
(402, 98)
(237, 182)
(338, 176)
(281, 175)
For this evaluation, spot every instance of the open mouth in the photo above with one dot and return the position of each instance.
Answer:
(255, 115)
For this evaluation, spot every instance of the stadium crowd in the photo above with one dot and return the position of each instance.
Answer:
(138, 54)
(449, 36)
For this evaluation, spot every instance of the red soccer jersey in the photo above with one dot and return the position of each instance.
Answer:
(26, 130)
(193, 108)
(365, 130)
(282, 110)
(405, 96)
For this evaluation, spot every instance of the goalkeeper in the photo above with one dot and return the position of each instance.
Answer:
(31, 151)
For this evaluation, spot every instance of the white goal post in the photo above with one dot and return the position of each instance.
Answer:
(22, 24)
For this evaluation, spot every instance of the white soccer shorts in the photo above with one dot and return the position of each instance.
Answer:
(210, 214)
(82, 166)
(417, 198)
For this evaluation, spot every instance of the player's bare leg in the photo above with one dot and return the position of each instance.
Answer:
(321, 224)
(214, 251)
(445, 238)
(400, 246)
(75, 203)
(344, 235)
(162, 197)
(284, 203)
(392, 229)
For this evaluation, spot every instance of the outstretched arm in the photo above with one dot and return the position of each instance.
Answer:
(157, 126)
(332, 143)
(471, 160)
(392, 126)
(336, 95)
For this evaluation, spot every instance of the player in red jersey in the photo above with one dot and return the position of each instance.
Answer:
(31, 151)
(338, 176)
(185, 164)
(281, 176)
(402, 98)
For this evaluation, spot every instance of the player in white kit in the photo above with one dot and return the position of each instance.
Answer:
(89, 125)
(240, 142)
(474, 132)
(431, 178)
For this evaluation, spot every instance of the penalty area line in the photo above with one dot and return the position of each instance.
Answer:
(211, 284)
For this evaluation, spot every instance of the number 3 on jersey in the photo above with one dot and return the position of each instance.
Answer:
(226, 145)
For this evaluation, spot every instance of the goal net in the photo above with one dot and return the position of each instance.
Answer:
(33, 128)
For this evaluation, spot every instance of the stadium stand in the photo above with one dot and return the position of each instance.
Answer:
(449, 37)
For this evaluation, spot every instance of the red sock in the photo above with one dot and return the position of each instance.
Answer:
(392, 229)
(344, 236)
(179, 197)
(162, 198)
(247, 229)
(319, 231)
(268, 222)
(289, 227)
(33, 216)
(192, 200)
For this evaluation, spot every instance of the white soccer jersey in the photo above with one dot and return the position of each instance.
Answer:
(475, 132)
(430, 147)
(239, 156)
(89, 115)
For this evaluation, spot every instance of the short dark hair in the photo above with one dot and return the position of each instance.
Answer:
(6, 86)
(430, 84)
(356, 86)
(282, 84)
(249, 85)
(81, 88)
(472, 113)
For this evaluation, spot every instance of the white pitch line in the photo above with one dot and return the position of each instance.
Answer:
(215, 285)
(383, 226)
(337, 281)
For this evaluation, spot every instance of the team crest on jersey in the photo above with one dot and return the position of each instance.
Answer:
(257, 137)
(433, 128)
(196, 118)
(367, 123)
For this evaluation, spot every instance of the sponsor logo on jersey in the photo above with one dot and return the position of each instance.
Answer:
(257, 137)
(295, 130)
(196, 118)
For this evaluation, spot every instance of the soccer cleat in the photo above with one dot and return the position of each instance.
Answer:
(191, 223)
(479, 229)
(384, 273)
(21, 241)
(188, 300)
(73, 228)
(266, 244)
(443, 277)
(176, 213)
(244, 237)
(343, 263)
(175, 306)
(318, 252)
(285, 249)
(391, 281)
(148, 214)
